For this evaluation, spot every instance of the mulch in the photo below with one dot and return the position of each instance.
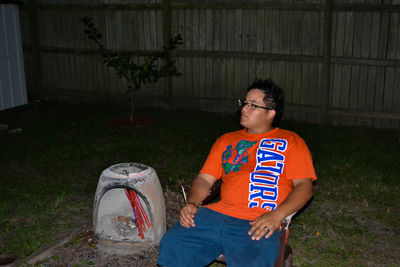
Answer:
(80, 248)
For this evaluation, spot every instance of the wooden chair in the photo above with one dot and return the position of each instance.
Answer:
(285, 256)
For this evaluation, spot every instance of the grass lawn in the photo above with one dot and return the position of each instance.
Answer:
(49, 172)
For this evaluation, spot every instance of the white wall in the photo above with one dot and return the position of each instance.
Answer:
(12, 74)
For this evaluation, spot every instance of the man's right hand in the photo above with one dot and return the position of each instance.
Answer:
(198, 191)
(187, 214)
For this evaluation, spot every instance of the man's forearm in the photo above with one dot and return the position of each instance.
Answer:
(200, 188)
(300, 195)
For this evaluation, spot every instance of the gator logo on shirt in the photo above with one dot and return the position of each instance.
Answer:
(234, 158)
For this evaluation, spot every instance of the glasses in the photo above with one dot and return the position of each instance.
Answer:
(243, 102)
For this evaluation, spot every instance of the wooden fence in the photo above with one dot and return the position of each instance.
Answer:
(337, 61)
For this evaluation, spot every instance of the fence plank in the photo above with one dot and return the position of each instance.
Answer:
(202, 77)
(376, 19)
(147, 42)
(141, 30)
(275, 31)
(223, 33)
(231, 30)
(349, 35)
(315, 40)
(230, 73)
(282, 74)
(297, 85)
(223, 89)
(358, 25)
(238, 30)
(209, 73)
(305, 84)
(275, 72)
(345, 87)
(195, 76)
(362, 86)
(334, 32)
(366, 35)
(202, 26)
(289, 83)
(260, 31)
(216, 85)
(181, 28)
(189, 90)
(389, 89)
(383, 35)
(267, 69)
(217, 30)
(371, 89)
(369, 93)
(379, 91)
(174, 23)
(268, 31)
(321, 33)
(244, 74)
(252, 30)
(398, 43)
(336, 85)
(153, 30)
(252, 71)
(182, 79)
(189, 29)
(245, 32)
(159, 29)
(209, 30)
(320, 85)
(177, 81)
(283, 31)
(259, 70)
(396, 92)
(194, 28)
(307, 33)
(340, 34)
(315, 85)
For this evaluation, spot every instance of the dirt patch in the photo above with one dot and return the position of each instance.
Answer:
(81, 250)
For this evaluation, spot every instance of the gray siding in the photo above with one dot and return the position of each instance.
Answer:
(12, 75)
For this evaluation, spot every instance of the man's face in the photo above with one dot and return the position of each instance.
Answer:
(257, 120)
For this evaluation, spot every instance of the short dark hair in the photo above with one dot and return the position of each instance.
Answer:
(274, 97)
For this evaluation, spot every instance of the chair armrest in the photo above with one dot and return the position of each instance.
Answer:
(286, 221)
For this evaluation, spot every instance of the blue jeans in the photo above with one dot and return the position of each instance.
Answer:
(214, 234)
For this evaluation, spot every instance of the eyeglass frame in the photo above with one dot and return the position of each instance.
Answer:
(252, 106)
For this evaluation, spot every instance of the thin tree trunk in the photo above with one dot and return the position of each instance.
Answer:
(132, 105)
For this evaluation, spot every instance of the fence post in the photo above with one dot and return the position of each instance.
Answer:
(326, 68)
(35, 43)
(166, 18)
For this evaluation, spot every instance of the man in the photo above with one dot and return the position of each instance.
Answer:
(266, 173)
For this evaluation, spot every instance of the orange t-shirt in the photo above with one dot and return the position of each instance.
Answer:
(256, 170)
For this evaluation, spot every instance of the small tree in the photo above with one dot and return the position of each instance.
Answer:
(152, 70)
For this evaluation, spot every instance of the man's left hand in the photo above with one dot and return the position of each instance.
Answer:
(264, 225)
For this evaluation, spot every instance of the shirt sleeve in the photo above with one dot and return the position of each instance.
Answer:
(299, 162)
(213, 163)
